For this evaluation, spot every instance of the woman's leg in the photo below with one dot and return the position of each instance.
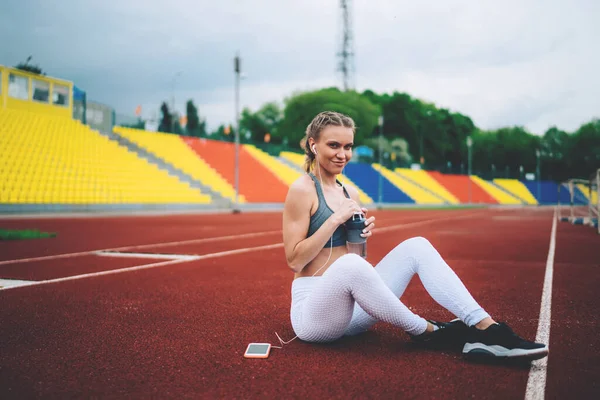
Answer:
(326, 312)
(418, 256)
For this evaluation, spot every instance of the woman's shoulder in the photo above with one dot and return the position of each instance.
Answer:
(304, 185)
(301, 194)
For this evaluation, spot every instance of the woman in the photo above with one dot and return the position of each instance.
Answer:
(337, 293)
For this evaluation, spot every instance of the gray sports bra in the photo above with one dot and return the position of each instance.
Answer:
(323, 212)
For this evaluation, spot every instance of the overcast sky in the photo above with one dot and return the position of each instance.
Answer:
(511, 62)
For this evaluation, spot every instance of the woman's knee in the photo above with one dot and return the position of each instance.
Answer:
(349, 265)
(415, 244)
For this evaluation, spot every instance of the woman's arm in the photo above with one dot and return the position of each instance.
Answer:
(300, 250)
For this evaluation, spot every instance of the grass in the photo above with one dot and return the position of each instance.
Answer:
(24, 234)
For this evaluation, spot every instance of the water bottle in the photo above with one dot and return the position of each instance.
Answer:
(354, 228)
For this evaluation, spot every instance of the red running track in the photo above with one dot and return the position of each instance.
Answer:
(180, 330)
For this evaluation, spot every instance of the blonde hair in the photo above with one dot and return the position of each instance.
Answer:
(316, 126)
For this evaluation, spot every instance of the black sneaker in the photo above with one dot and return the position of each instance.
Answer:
(499, 341)
(448, 335)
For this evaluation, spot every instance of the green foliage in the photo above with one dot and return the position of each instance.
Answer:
(219, 134)
(502, 152)
(140, 124)
(394, 152)
(584, 149)
(12, 234)
(266, 120)
(417, 131)
(177, 128)
(301, 108)
(437, 136)
(166, 121)
(195, 126)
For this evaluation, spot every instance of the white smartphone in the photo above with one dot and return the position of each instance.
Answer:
(258, 350)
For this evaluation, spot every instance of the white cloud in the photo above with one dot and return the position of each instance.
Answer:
(530, 63)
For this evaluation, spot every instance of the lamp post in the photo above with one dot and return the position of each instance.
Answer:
(469, 144)
(380, 187)
(237, 69)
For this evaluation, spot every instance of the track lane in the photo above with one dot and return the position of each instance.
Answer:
(59, 268)
(162, 332)
(574, 362)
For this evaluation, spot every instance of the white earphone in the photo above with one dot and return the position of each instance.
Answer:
(314, 148)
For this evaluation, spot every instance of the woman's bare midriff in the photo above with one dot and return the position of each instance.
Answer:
(320, 259)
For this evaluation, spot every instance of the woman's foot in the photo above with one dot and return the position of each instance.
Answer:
(443, 335)
(499, 341)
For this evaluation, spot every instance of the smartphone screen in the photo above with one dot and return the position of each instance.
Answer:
(257, 349)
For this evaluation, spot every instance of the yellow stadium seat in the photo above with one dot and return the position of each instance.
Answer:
(58, 160)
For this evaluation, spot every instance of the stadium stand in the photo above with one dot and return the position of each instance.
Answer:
(586, 192)
(549, 192)
(423, 179)
(57, 160)
(173, 150)
(517, 189)
(367, 178)
(48, 157)
(501, 196)
(286, 174)
(294, 158)
(256, 182)
(415, 192)
(460, 185)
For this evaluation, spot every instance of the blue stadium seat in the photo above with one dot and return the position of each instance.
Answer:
(549, 193)
(367, 178)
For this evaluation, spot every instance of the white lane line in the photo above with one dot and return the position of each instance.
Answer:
(162, 244)
(146, 255)
(536, 383)
(8, 283)
(219, 254)
(198, 241)
(154, 265)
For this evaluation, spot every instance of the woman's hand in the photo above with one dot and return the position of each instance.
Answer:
(346, 210)
(369, 222)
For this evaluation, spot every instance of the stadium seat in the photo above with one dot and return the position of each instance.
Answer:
(256, 182)
(174, 150)
(58, 160)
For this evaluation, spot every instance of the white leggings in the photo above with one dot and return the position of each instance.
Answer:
(351, 295)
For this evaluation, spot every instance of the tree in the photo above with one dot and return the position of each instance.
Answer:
(166, 122)
(177, 129)
(223, 133)
(140, 124)
(395, 151)
(195, 126)
(400, 149)
(503, 151)
(266, 120)
(556, 149)
(301, 108)
(585, 150)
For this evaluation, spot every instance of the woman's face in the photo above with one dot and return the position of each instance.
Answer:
(334, 148)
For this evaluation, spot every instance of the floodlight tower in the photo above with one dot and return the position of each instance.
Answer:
(346, 53)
